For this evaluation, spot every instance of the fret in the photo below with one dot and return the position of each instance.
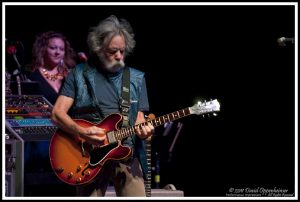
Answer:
(120, 134)
(187, 111)
(177, 115)
(130, 130)
(160, 121)
(127, 132)
(172, 117)
(156, 122)
(181, 113)
(166, 118)
(116, 135)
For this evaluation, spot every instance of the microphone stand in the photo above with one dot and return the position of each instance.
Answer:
(179, 126)
(19, 85)
(23, 77)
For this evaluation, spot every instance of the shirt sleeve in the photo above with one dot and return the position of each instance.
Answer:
(68, 88)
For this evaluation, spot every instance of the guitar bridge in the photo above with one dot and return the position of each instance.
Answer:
(111, 137)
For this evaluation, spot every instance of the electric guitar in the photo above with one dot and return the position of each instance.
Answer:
(76, 162)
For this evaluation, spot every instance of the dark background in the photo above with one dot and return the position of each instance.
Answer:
(229, 53)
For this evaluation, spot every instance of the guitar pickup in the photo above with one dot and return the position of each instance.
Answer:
(111, 137)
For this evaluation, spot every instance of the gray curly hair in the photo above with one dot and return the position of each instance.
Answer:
(101, 35)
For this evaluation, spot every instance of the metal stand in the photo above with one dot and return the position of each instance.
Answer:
(14, 165)
(179, 127)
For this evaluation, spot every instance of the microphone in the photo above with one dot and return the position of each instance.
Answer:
(283, 40)
(82, 57)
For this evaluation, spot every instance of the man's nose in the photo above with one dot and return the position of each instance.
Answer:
(118, 55)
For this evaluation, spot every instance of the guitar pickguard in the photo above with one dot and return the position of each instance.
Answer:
(98, 154)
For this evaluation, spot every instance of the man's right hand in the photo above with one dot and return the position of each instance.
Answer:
(94, 135)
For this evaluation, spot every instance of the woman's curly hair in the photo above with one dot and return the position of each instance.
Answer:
(40, 46)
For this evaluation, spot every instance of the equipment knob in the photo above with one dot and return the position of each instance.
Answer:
(78, 180)
(79, 168)
(88, 173)
(70, 174)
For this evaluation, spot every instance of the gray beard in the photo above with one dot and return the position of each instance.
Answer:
(111, 66)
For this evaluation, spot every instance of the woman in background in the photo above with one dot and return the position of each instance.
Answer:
(52, 58)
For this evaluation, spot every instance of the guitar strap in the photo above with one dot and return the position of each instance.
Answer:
(125, 97)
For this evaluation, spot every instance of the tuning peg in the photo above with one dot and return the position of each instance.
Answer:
(215, 114)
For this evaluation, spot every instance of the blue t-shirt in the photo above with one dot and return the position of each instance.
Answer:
(107, 92)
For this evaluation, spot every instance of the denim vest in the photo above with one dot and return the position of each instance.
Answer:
(84, 106)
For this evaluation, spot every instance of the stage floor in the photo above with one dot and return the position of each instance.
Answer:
(154, 193)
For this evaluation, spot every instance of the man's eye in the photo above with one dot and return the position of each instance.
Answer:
(114, 51)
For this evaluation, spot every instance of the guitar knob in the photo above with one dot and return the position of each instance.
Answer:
(59, 170)
(70, 174)
(78, 180)
(79, 168)
(88, 173)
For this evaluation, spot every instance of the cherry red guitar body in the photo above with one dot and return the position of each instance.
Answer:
(76, 162)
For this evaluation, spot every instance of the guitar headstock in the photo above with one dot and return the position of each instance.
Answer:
(205, 107)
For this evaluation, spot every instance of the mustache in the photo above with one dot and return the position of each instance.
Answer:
(115, 64)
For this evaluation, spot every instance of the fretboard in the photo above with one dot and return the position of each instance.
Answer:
(126, 132)
(148, 174)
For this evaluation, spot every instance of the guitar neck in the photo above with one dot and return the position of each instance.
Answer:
(126, 132)
(170, 117)
(148, 175)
